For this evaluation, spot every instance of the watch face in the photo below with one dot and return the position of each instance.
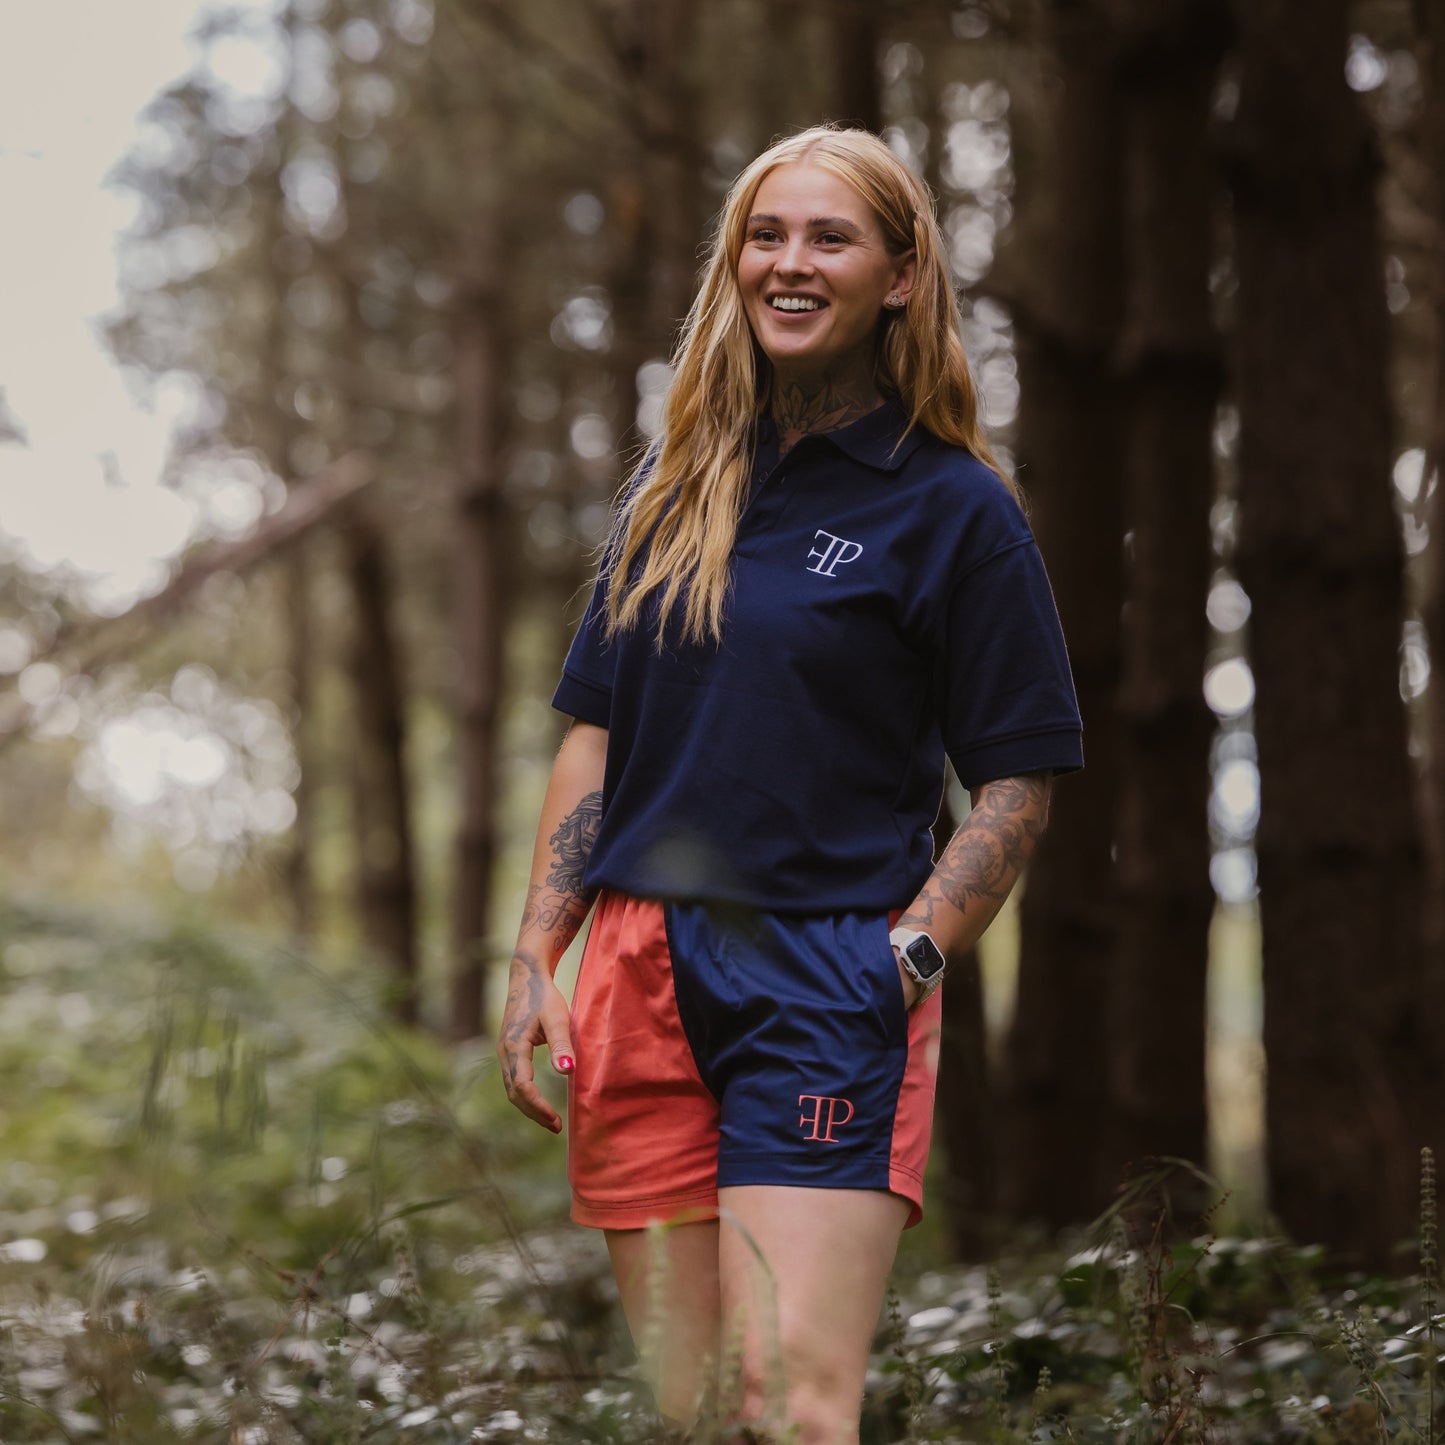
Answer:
(923, 954)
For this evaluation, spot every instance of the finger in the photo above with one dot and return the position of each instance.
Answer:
(522, 1089)
(910, 985)
(557, 1029)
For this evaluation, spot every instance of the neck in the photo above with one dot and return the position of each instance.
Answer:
(803, 403)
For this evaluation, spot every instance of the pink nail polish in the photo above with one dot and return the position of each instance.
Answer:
(565, 1063)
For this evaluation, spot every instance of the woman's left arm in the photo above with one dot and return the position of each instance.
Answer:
(980, 866)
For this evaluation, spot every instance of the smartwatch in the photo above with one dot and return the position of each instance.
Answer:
(922, 958)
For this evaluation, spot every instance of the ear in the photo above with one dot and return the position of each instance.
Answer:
(905, 273)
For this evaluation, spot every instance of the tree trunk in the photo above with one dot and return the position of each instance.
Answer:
(275, 429)
(1071, 455)
(785, 97)
(385, 877)
(480, 609)
(1321, 557)
(1171, 366)
(299, 868)
(1431, 16)
(964, 1100)
(656, 201)
(857, 36)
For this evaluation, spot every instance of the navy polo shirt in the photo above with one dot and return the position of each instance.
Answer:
(888, 605)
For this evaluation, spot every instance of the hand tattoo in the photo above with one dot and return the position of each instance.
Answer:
(524, 1001)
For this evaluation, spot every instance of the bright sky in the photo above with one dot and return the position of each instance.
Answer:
(197, 767)
(74, 74)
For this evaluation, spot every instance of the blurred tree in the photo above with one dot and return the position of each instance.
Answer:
(966, 1098)
(858, 37)
(384, 879)
(349, 56)
(1430, 21)
(479, 340)
(1321, 557)
(276, 429)
(1071, 456)
(1170, 362)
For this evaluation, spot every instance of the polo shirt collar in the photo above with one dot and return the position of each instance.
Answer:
(873, 440)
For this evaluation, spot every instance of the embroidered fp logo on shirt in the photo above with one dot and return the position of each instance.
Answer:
(836, 552)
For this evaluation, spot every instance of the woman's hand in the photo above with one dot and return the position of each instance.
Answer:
(536, 1014)
(557, 903)
(910, 984)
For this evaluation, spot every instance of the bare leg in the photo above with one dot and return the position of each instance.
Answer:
(668, 1280)
(803, 1273)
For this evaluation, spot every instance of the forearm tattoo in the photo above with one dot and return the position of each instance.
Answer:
(559, 903)
(557, 907)
(987, 854)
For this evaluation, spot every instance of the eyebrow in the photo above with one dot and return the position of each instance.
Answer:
(818, 223)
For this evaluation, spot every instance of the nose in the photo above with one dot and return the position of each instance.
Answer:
(794, 258)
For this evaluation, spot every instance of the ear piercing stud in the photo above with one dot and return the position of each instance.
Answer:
(895, 301)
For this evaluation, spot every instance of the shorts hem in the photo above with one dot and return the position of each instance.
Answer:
(639, 1213)
(903, 1182)
(890, 1179)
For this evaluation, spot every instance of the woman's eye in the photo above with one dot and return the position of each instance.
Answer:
(764, 233)
(832, 238)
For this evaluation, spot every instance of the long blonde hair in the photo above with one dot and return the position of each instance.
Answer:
(681, 517)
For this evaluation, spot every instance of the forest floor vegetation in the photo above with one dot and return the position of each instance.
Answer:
(234, 1207)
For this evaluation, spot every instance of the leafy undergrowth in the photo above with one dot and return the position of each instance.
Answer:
(234, 1209)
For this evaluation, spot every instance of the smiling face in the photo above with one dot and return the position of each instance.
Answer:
(814, 272)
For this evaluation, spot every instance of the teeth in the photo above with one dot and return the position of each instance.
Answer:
(793, 303)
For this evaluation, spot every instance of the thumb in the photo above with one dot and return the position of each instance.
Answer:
(559, 1044)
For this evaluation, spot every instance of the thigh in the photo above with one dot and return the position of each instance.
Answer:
(802, 1275)
(668, 1279)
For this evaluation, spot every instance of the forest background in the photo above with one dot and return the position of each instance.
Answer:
(417, 282)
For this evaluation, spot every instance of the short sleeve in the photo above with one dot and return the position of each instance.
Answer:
(1008, 698)
(585, 689)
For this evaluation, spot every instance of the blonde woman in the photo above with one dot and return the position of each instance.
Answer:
(818, 584)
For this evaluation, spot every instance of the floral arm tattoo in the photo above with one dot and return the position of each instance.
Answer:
(983, 860)
(559, 903)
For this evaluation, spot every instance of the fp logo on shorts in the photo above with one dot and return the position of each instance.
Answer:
(823, 1121)
(836, 551)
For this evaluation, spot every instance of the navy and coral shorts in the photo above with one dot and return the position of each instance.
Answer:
(717, 1047)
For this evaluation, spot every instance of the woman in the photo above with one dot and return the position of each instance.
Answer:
(817, 584)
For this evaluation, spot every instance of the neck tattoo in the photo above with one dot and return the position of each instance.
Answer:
(800, 407)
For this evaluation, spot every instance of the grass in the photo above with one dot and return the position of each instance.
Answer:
(235, 1209)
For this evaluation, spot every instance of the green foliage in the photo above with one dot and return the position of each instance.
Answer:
(233, 1207)
(230, 1202)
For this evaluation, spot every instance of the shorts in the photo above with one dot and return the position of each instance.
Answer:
(718, 1046)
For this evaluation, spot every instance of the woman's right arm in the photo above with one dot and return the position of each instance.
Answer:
(556, 906)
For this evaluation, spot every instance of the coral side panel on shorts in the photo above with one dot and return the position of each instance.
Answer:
(642, 1127)
(719, 1046)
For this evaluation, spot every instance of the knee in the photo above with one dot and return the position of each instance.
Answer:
(806, 1392)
